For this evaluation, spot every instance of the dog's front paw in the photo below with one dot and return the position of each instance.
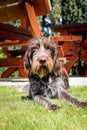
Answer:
(54, 107)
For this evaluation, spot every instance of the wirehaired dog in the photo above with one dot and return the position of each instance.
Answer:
(47, 79)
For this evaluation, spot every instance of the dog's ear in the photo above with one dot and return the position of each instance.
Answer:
(56, 67)
(27, 62)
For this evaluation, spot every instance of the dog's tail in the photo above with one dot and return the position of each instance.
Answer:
(72, 100)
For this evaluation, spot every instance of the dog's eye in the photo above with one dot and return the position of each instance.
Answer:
(51, 49)
(33, 49)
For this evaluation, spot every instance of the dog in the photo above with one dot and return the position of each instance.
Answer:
(47, 78)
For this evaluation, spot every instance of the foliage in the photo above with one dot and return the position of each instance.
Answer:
(73, 11)
(2, 54)
(64, 12)
(68, 11)
(55, 14)
(21, 114)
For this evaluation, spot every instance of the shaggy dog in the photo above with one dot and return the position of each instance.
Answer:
(47, 79)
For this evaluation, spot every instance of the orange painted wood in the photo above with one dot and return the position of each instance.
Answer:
(60, 51)
(71, 62)
(9, 43)
(84, 57)
(12, 12)
(24, 23)
(11, 28)
(13, 33)
(76, 29)
(67, 38)
(11, 62)
(22, 72)
(8, 72)
(6, 51)
(14, 43)
(32, 20)
(4, 2)
(42, 7)
(13, 36)
(69, 46)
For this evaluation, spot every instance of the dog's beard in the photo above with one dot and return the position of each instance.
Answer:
(42, 70)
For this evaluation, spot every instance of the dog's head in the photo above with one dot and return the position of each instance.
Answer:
(41, 57)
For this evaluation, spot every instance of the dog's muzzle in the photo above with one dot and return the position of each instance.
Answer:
(42, 65)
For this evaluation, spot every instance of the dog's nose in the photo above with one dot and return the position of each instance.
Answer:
(42, 61)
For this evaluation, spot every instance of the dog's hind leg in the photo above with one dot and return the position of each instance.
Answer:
(72, 100)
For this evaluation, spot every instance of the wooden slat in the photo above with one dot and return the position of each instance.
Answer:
(32, 20)
(60, 53)
(10, 43)
(71, 62)
(22, 72)
(67, 38)
(14, 43)
(11, 28)
(13, 33)
(24, 23)
(13, 36)
(71, 29)
(84, 57)
(42, 7)
(11, 62)
(12, 12)
(4, 2)
(8, 72)
(69, 46)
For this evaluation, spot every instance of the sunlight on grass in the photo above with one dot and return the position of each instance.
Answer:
(20, 114)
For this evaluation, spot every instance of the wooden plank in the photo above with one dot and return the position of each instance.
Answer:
(11, 70)
(22, 72)
(4, 2)
(84, 57)
(32, 20)
(41, 7)
(12, 12)
(60, 51)
(6, 51)
(11, 62)
(8, 72)
(71, 62)
(14, 43)
(24, 23)
(10, 43)
(13, 33)
(66, 38)
(13, 36)
(11, 28)
(69, 46)
(71, 29)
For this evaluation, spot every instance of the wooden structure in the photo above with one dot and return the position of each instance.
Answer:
(71, 42)
(27, 12)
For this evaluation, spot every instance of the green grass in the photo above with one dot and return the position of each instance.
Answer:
(20, 114)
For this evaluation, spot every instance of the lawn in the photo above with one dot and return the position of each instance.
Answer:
(17, 113)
